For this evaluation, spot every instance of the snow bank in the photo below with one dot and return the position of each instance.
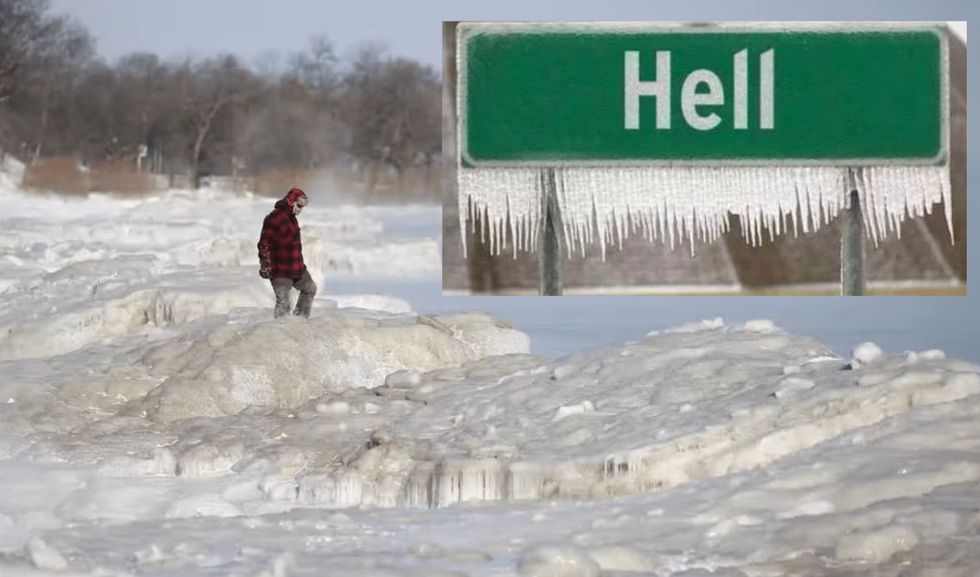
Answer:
(95, 301)
(286, 363)
(711, 450)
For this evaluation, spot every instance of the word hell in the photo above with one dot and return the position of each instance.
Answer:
(692, 99)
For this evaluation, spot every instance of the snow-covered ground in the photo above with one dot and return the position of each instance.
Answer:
(154, 420)
(79, 271)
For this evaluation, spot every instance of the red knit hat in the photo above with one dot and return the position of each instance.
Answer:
(293, 195)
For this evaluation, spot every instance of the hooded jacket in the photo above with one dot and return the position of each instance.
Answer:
(279, 244)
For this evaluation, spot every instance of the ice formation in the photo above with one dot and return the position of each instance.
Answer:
(715, 449)
(691, 204)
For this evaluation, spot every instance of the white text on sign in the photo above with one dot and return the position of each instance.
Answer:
(691, 99)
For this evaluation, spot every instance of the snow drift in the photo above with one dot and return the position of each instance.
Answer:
(284, 364)
(706, 449)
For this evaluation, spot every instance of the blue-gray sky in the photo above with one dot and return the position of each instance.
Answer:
(174, 28)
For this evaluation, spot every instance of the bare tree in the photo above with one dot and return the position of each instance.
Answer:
(60, 53)
(308, 110)
(93, 115)
(316, 68)
(208, 88)
(394, 110)
(268, 65)
(22, 22)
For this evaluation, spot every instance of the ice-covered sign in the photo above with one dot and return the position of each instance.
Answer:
(665, 129)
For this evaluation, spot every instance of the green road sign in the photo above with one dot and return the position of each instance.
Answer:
(607, 94)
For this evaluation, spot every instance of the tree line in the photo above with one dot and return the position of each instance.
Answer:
(213, 115)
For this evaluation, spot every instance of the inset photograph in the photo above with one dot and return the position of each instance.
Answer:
(727, 158)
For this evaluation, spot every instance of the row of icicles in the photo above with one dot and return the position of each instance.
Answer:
(690, 204)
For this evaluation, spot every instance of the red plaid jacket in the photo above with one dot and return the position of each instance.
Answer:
(280, 243)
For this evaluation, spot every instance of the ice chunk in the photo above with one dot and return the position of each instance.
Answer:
(760, 326)
(403, 379)
(964, 383)
(557, 561)
(817, 507)
(619, 558)
(875, 546)
(485, 336)
(792, 385)
(44, 555)
(336, 408)
(208, 459)
(583, 408)
(865, 354)
(562, 372)
(705, 325)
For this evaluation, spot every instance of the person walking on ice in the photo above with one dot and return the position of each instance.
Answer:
(281, 255)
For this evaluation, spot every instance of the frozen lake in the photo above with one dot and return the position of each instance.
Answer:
(561, 326)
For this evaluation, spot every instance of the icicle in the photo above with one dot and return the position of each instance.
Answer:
(675, 205)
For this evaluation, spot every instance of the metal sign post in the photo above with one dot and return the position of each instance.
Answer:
(852, 278)
(549, 261)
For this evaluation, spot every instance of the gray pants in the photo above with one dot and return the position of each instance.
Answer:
(284, 286)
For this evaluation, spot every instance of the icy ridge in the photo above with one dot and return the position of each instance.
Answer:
(697, 402)
(808, 400)
(711, 448)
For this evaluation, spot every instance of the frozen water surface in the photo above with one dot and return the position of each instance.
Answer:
(155, 420)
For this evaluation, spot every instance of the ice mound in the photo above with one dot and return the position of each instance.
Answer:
(679, 407)
(711, 450)
(289, 362)
(431, 412)
(95, 301)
